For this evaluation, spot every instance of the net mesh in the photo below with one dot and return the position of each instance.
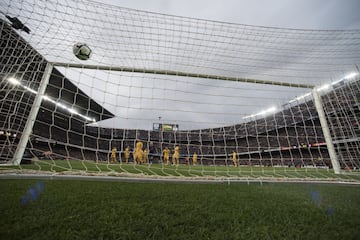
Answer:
(235, 100)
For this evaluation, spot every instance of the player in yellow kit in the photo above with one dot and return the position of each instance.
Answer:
(138, 153)
(145, 156)
(234, 158)
(113, 154)
(194, 159)
(127, 154)
(175, 156)
(166, 155)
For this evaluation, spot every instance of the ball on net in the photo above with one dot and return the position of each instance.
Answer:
(82, 51)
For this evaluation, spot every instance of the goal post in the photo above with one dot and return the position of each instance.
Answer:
(325, 129)
(28, 128)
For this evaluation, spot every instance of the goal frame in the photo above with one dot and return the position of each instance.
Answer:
(49, 67)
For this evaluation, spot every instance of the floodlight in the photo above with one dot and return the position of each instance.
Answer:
(323, 87)
(14, 81)
(30, 90)
(351, 75)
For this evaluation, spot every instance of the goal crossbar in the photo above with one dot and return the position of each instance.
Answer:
(180, 74)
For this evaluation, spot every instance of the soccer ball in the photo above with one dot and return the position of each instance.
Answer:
(82, 51)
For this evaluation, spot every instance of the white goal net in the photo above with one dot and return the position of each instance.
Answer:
(166, 96)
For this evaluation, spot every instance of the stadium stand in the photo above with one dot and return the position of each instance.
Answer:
(289, 137)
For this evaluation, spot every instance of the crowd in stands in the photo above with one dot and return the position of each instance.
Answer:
(259, 142)
(290, 137)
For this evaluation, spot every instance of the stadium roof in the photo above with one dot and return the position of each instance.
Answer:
(21, 62)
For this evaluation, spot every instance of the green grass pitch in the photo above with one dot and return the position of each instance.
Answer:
(70, 209)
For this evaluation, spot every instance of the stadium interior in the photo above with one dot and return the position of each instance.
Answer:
(290, 137)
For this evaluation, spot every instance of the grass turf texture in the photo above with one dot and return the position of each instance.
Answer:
(70, 209)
